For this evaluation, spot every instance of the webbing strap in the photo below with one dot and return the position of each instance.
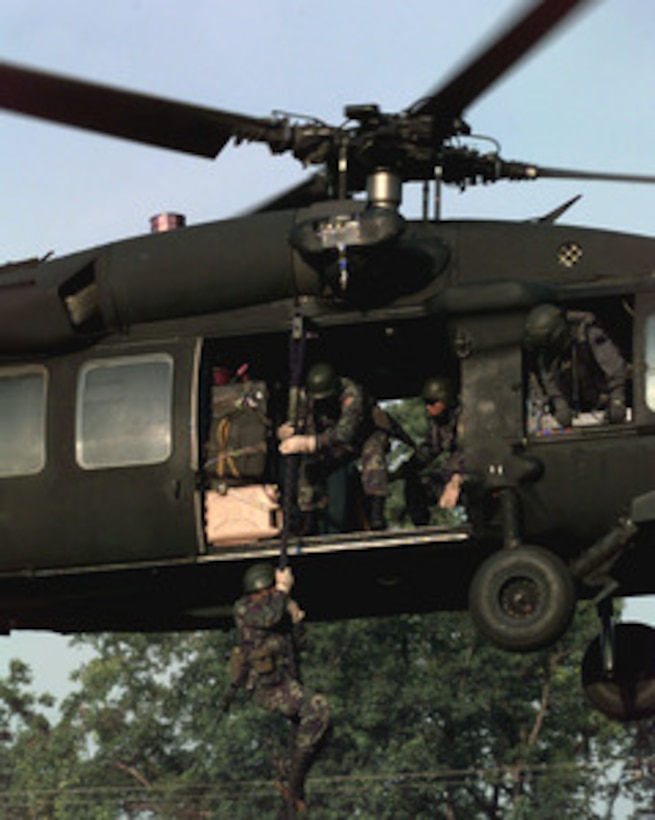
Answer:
(225, 461)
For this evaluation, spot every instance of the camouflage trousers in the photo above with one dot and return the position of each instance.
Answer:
(309, 710)
(315, 471)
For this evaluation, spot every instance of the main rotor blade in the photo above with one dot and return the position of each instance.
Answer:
(601, 176)
(137, 117)
(503, 53)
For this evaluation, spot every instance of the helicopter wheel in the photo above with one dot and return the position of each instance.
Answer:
(628, 692)
(522, 599)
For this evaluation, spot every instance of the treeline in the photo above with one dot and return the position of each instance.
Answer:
(428, 722)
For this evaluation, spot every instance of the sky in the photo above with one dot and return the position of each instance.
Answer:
(582, 100)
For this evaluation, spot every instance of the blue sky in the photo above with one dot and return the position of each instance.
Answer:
(583, 100)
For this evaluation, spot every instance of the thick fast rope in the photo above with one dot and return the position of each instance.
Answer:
(290, 462)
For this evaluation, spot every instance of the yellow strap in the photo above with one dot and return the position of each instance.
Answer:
(224, 460)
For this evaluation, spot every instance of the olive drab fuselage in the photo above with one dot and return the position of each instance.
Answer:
(123, 512)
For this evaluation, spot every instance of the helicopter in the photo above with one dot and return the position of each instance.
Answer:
(114, 514)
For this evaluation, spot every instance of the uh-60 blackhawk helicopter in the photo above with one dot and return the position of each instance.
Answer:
(137, 483)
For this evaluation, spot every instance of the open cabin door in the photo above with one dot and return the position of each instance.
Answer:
(241, 497)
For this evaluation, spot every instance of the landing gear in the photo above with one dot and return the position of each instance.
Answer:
(522, 599)
(618, 669)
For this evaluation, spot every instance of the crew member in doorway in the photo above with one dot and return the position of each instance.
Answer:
(344, 424)
(271, 632)
(434, 474)
(574, 367)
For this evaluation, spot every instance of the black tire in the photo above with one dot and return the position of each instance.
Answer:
(522, 599)
(630, 692)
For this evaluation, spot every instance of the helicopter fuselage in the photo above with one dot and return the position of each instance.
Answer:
(106, 391)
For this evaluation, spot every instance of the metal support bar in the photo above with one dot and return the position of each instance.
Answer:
(607, 641)
(509, 506)
(594, 565)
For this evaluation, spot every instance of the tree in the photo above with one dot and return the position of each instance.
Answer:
(636, 778)
(428, 721)
(458, 728)
(40, 761)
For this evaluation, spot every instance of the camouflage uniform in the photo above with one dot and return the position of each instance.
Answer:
(269, 640)
(588, 375)
(344, 430)
(434, 463)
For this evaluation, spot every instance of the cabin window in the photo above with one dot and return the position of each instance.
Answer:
(584, 380)
(124, 411)
(650, 363)
(22, 421)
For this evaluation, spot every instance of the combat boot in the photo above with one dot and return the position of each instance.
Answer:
(293, 806)
(376, 519)
(298, 770)
(420, 515)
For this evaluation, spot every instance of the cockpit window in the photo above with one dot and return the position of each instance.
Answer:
(124, 411)
(22, 421)
(650, 363)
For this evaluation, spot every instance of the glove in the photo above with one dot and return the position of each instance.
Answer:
(284, 580)
(285, 431)
(298, 444)
(450, 494)
(295, 612)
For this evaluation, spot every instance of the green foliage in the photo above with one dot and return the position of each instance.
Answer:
(410, 414)
(448, 719)
(428, 722)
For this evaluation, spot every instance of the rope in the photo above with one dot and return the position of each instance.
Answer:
(290, 463)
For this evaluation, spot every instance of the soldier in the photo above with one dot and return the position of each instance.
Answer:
(270, 626)
(575, 367)
(434, 474)
(345, 423)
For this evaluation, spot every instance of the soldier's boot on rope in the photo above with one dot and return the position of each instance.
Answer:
(293, 806)
(293, 772)
(376, 519)
(294, 803)
(300, 763)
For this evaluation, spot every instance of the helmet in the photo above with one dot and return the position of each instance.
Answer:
(546, 328)
(438, 388)
(258, 577)
(323, 381)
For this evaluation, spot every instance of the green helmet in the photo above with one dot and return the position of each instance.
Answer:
(546, 328)
(438, 388)
(323, 381)
(258, 577)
